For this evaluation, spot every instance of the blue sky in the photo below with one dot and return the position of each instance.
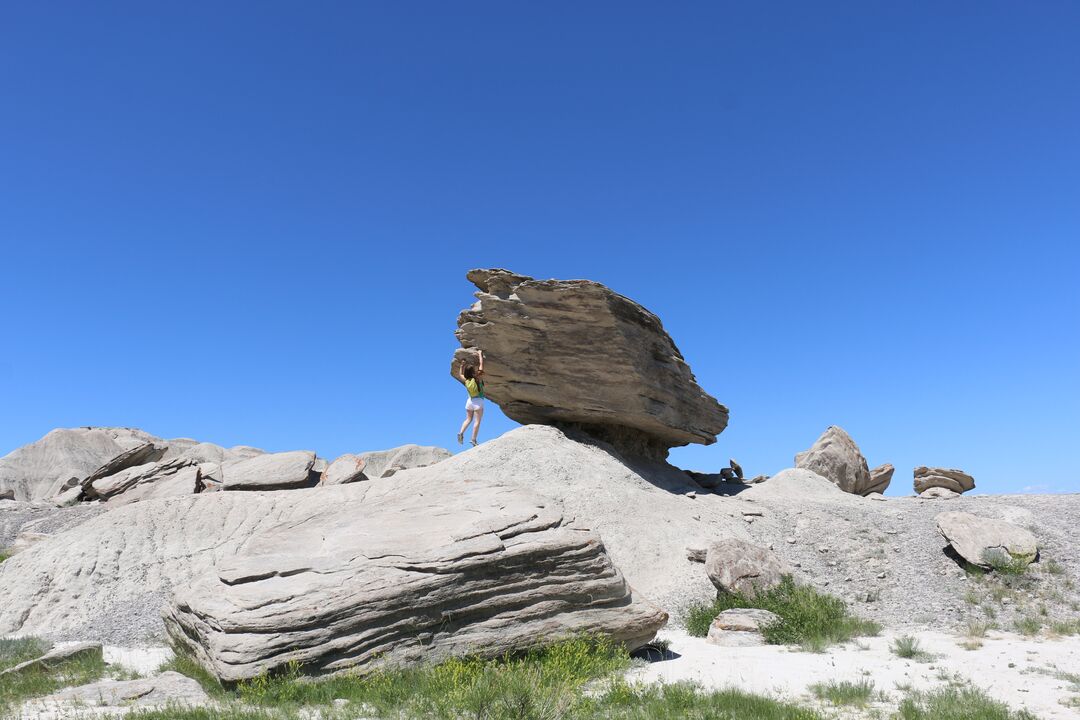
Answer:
(250, 222)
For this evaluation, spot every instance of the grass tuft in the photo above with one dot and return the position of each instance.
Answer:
(43, 681)
(846, 692)
(1028, 625)
(953, 703)
(17, 650)
(809, 618)
(907, 647)
(1005, 564)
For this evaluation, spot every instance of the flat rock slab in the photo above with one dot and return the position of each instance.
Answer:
(110, 698)
(56, 656)
(740, 627)
(978, 539)
(575, 352)
(272, 471)
(454, 566)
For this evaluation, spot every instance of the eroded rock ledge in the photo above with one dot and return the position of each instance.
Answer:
(574, 353)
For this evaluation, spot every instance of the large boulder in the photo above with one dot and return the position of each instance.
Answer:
(880, 477)
(575, 353)
(949, 478)
(451, 567)
(985, 541)
(66, 457)
(346, 469)
(739, 567)
(836, 457)
(272, 471)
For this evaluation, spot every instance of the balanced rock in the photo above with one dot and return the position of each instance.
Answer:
(739, 567)
(575, 353)
(880, 477)
(454, 566)
(272, 471)
(949, 478)
(836, 457)
(740, 627)
(983, 541)
(65, 457)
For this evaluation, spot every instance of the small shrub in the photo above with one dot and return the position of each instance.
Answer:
(954, 703)
(4, 555)
(907, 647)
(1028, 625)
(1005, 564)
(808, 617)
(1065, 627)
(1052, 567)
(845, 692)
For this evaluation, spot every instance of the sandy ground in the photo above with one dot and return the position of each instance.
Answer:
(1016, 670)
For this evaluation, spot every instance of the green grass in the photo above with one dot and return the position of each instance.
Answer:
(35, 683)
(844, 692)
(954, 703)
(1005, 564)
(907, 647)
(1028, 625)
(1065, 627)
(4, 555)
(1052, 567)
(809, 618)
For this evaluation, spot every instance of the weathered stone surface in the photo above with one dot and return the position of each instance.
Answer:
(141, 477)
(880, 477)
(56, 656)
(64, 458)
(978, 540)
(949, 478)
(110, 698)
(272, 471)
(24, 541)
(346, 469)
(575, 353)
(740, 627)
(454, 566)
(384, 463)
(736, 566)
(136, 456)
(836, 457)
(938, 493)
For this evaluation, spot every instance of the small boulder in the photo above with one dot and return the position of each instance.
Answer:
(384, 463)
(949, 478)
(978, 540)
(273, 471)
(740, 627)
(112, 698)
(346, 469)
(7, 494)
(736, 566)
(880, 477)
(836, 457)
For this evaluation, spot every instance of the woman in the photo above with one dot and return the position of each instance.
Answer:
(474, 406)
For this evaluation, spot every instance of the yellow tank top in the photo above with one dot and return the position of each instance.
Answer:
(475, 387)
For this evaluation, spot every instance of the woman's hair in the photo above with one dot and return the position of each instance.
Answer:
(468, 371)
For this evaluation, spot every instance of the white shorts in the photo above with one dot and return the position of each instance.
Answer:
(476, 403)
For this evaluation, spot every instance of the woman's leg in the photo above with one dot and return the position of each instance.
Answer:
(476, 427)
(465, 425)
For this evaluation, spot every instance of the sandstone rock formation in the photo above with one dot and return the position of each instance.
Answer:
(168, 477)
(65, 458)
(740, 627)
(740, 567)
(951, 479)
(982, 541)
(384, 463)
(54, 657)
(117, 698)
(880, 477)
(835, 456)
(346, 469)
(938, 493)
(452, 567)
(272, 471)
(574, 353)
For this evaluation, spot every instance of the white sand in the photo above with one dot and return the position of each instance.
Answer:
(780, 672)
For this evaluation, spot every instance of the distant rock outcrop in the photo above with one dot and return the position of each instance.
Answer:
(576, 354)
(949, 478)
(836, 457)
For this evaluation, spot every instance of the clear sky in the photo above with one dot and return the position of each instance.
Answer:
(250, 222)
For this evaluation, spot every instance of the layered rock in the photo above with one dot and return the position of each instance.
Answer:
(836, 457)
(880, 477)
(451, 567)
(384, 463)
(740, 567)
(986, 541)
(949, 478)
(65, 458)
(576, 354)
(177, 476)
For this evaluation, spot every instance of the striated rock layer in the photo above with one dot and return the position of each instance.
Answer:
(576, 354)
(380, 576)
